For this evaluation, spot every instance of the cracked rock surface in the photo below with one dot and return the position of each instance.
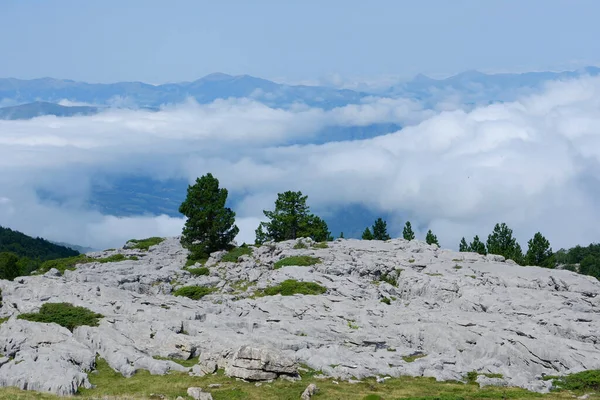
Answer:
(449, 313)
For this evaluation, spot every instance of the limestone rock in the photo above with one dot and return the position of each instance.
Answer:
(196, 393)
(309, 392)
(259, 364)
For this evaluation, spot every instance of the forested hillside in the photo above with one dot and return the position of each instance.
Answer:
(21, 254)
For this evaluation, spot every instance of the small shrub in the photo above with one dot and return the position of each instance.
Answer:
(457, 266)
(386, 300)
(69, 263)
(234, 254)
(3, 320)
(199, 271)
(389, 279)
(585, 380)
(471, 377)
(321, 245)
(413, 357)
(303, 261)
(291, 287)
(300, 245)
(352, 325)
(433, 274)
(113, 258)
(63, 314)
(412, 260)
(193, 292)
(145, 244)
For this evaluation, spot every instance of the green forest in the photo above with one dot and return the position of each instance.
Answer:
(21, 254)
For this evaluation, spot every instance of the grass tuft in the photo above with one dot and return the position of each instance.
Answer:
(70, 263)
(386, 300)
(321, 245)
(303, 261)
(291, 287)
(235, 253)
(585, 380)
(201, 271)
(193, 292)
(145, 244)
(413, 357)
(63, 314)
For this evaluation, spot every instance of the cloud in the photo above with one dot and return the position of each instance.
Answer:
(533, 163)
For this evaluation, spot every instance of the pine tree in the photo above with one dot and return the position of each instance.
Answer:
(380, 230)
(292, 219)
(407, 232)
(430, 238)
(539, 251)
(210, 226)
(477, 246)
(341, 235)
(463, 246)
(367, 235)
(502, 242)
(9, 266)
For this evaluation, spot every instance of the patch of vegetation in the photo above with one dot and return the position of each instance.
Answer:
(3, 320)
(199, 271)
(63, 264)
(457, 266)
(302, 261)
(185, 363)
(63, 314)
(235, 253)
(433, 274)
(412, 260)
(392, 280)
(413, 357)
(193, 292)
(352, 325)
(386, 300)
(321, 245)
(191, 260)
(372, 397)
(585, 380)
(145, 244)
(291, 287)
(300, 245)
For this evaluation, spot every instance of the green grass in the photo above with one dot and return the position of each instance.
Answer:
(386, 300)
(186, 363)
(70, 263)
(291, 287)
(300, 245)
(112, 385)
(321, 245)
(198, 271)
(581, 381)
(389, 279)
(352, 325)
(193, 292)
(413, 357)
(145, 244)
(457, 266)
(235, 253)
(302, 261)
(63, 314)
(3, 320)
(433, 274)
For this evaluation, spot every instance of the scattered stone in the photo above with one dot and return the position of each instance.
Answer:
(310, 391)
(214, 385)
(196, 393)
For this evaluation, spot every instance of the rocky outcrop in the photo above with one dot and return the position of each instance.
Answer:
(391, 308)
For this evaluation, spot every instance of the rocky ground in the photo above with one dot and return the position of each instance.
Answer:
(449, 313)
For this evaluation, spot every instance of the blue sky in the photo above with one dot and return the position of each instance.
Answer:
(160, 41)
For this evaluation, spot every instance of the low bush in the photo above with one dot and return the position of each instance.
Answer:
(300, 245)
(63, 314)
(392, 280)
(302, 261)
(413, 357)
(63, 264)
(321, 245)
(193, 292)
(199, 271)
(585, 380)
(235, 253)
(145, 244)
(386, 300)
(290, 287)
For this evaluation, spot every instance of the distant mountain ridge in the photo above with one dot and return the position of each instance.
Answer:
(472, 85)
(41, 108)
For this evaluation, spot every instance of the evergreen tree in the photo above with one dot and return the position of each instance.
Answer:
(380, 230)
(210, 226)
(291, 219)
(367, 235)
(430, 238)
(539, 251)
(463, 246)
(407, 232)
(341, 235)
(9, 266)
(477, 246)
(502, 242)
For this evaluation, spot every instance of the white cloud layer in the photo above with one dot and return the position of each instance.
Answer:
(533, 163)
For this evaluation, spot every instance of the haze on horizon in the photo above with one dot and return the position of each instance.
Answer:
(330, 42)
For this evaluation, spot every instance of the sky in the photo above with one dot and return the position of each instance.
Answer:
(293, 41)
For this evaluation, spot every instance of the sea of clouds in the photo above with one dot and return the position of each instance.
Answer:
(532, 163)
